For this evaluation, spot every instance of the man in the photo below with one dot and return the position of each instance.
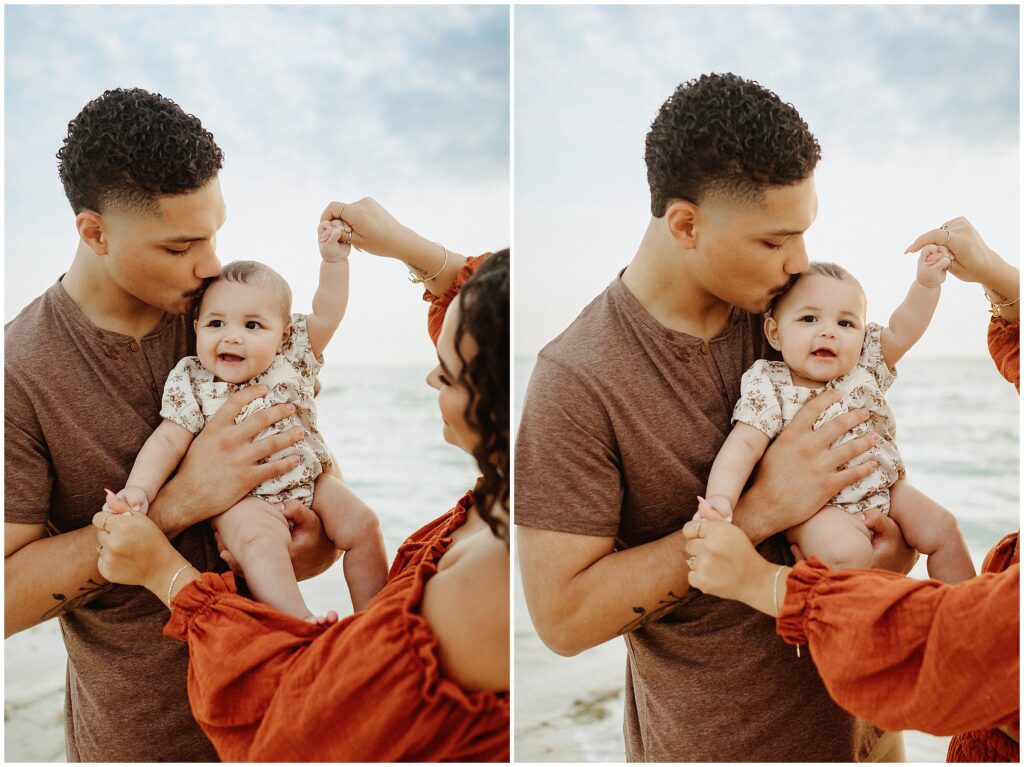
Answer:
(622, 420)
(85, 366)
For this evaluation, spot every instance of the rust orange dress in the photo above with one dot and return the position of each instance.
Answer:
(266, 686)
(924, 655)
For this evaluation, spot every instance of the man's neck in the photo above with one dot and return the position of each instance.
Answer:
(661, 279)
(102, 301)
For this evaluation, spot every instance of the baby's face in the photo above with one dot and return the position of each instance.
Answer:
(819, 328)
(240, 330)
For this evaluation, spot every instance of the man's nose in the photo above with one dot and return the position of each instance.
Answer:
(207, 264)
(797, 260)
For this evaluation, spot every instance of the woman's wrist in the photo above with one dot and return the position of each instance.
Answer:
(160, 577)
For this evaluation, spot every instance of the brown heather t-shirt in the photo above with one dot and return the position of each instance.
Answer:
(80, 402)
(621, 423)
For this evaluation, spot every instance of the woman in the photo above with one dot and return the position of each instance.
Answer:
(422, 673)
(902, 653)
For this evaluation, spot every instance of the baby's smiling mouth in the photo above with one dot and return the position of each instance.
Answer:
(230, 358)
(824, 353)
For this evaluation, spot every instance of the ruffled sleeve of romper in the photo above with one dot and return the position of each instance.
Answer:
(872, 359)
(266, 686)
(439, 304)
(909, 654)
(759, 405)
(1004, 346)
(179, 402)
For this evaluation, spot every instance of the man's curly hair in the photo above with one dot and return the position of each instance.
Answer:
(128, 147)
(485, 317)
(721, 134)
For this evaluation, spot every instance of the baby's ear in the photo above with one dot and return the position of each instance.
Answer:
(771, 332)
(284, 337)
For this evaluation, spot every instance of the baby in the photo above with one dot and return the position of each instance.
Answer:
(819, 326)
(246, 335)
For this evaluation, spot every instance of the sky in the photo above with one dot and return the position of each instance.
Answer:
(406, 104)
(916, 109)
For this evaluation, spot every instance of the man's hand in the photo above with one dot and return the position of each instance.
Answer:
(890, 551)
(800, 471)
(311, 551)
(223, 463)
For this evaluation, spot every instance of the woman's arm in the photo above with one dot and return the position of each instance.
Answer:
(901, 653)
(376, 231)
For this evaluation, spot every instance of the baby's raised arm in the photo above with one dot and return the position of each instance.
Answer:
(156, 462)
(911, 318)
(733, 465)
(331, 297)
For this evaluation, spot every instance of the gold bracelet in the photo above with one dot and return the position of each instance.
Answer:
(173, 579)
(997, 309)
(775, 589)
(415, 280)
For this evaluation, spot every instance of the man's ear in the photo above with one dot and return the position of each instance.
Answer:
(771, 332)
(93, 231)
(681, 218)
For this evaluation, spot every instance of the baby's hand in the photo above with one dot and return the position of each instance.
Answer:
(720, 508)
(134, 497)
(335, 240)
(932, 265)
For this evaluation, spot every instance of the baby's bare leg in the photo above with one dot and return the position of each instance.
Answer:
(354, 528)
(257, 536)
(933, 531)
(838, 539)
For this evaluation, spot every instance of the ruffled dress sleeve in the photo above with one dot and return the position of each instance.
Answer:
(1004, 346)
(439, 304)
(179, 402)
(759, 404)
(872, 359)
(298, 351)
(266, 686)
(909, 654)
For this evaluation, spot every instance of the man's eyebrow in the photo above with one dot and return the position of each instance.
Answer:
(785, 232)
(185, 239)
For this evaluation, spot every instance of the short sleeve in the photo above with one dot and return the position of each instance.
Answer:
(872, 359)
(759, 405)
(179, 402)
(567, 468)
(298, 350)
(28, 472)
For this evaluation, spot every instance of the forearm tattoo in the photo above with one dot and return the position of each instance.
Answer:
(86, 594)
(645, 616)
(418, 269)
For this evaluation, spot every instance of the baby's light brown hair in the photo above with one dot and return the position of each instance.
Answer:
(823, 268)
(253, 272)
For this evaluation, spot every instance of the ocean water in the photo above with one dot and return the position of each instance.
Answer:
(383, 425)
(958, 428)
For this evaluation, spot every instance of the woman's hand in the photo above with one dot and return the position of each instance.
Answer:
(723, 562)
(374, 230)
(133, 549)
(974, 261)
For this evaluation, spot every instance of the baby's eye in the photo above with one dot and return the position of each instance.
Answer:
(808, 318)
(252, 325)
(215, 324)
(846, 324)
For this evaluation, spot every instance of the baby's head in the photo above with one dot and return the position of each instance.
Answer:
(818, 324)
(242, 321)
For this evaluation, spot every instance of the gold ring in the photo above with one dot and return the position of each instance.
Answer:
(104, 525)
(691, 561)
(947, 236)
(99, 549)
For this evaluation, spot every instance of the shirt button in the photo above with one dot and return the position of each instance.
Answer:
(704, 349)
(134, 347)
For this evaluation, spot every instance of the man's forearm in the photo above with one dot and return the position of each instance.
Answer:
(36, 590)
(615, 595)
(749, 516)
(174, 510)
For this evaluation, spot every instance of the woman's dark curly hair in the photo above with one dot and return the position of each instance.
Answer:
(485, 318)
(723, 134)
(129, 147)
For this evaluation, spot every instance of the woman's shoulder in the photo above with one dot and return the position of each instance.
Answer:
(466, 606)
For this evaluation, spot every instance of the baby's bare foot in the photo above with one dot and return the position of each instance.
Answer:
(322, 620)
